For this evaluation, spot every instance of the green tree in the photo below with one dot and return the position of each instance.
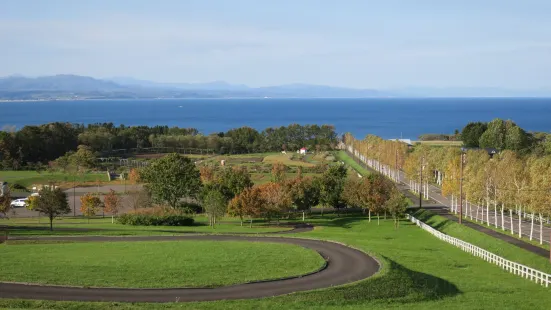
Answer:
(235, 179)
(52, 203)
(516, 138)
(304, 193)
(396, 206)
(215, 205)
(470, 135)
(332, 185)
(84, 158)
(172, 178)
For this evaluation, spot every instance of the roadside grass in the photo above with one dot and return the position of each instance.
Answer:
(342, 156)
(496, 246)
(28, 178)
(419, 272)
(154, 264)
(534, 241)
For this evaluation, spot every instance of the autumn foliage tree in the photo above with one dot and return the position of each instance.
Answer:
(112, 204)
(278, 172)
(89, 205)
(134, 176)
(249, 203)
(276, 198)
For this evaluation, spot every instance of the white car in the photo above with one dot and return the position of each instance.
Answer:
(18, 203)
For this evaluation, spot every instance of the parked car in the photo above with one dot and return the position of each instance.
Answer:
(19, 203)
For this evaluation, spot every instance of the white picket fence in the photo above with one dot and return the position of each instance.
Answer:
(537, 276)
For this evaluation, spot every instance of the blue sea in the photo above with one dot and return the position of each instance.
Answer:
(388, 118)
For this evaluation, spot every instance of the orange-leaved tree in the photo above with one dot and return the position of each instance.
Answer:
(89, 205)
(112, 202)
(278, 172)
(134, 176)
(249, 203)
(277, 200)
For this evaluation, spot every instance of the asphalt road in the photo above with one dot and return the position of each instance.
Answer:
(344, 265)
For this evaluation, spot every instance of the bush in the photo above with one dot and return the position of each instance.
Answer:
(190, 207)
(155, 217)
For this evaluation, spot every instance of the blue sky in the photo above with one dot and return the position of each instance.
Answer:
(355, 43)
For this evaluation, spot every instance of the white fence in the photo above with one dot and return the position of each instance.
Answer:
(514, 268)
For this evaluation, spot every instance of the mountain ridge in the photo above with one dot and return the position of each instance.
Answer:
(70, 86)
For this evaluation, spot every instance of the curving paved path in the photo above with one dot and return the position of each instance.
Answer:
(344, 265)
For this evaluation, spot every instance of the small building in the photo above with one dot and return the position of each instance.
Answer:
(303, 151)
(406, 141)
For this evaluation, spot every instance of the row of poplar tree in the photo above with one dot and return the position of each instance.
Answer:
(507, 182)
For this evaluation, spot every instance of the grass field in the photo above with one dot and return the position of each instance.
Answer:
(419, 272)
(28, 178)
(103, 226)
(154, 264)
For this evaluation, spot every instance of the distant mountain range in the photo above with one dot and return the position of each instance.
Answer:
(66, 87)
(71, 87)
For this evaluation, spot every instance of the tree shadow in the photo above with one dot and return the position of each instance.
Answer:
(341, 222)
(398, 284)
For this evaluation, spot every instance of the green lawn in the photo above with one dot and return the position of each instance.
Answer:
(419, 272)
(28, 178)
(154, 264)
(28, 226)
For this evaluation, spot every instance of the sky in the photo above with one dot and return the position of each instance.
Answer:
(384, 44)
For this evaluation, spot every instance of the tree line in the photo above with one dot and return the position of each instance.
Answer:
(507, 182)
(505, 135)
(47, 142)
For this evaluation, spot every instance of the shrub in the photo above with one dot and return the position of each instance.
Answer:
(155, 217)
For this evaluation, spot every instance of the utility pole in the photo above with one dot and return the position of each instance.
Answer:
(396, 167)
(421, 183)
(461, 190)
(74, 195)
